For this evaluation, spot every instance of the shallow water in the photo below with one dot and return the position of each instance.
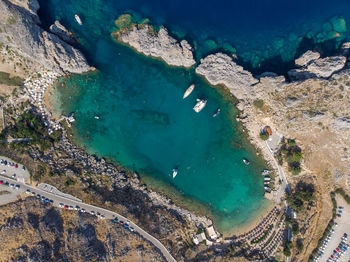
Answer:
(143, 121)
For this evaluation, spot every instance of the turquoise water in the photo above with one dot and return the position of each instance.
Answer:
(143, 121)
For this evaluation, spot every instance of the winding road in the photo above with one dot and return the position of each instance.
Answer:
(57, 199)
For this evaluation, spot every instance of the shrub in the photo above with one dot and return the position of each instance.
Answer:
(70, 182)
(259, 103)
(264, 136)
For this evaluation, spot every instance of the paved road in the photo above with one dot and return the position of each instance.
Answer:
(107, 213)
(272, 144)
(17, 140)
(284, 183)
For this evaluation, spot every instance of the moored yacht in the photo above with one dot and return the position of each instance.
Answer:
(175, 172)
(188, 91)
(77, 18)
(200, 105)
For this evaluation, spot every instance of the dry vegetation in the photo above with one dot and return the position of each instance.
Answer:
(30, 229)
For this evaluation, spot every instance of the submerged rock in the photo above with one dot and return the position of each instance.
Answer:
(307, 57)
(157, 44)
(24, 34)
(220, 69)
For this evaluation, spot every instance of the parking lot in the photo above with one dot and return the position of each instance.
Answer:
(11, 169)
(337, 244)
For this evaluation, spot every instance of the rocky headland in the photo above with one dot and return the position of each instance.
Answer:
(159, 44)
(21, 31)
(220, 69)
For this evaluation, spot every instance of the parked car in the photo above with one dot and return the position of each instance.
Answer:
(16, 166)
(12, 185)
(28, 191)
(77, 207)
(1, 182)
(71, 208)
(131, 229)
(65, 206)
(23, 168)
(92, 212)
(61, 205)
(17, 187)
(3, 172)
(82, 210)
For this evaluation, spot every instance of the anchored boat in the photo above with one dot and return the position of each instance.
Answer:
(77, 18)
(175, 172)
(246, 161)
(188, 91)
(200, 105)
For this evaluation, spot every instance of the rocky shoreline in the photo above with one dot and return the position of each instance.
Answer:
(159, 44)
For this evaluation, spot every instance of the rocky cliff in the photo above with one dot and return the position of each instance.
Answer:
(20, 30)
(33, 231)
(220, 69)
(157, 44)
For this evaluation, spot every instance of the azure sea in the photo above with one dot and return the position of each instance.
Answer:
(131, 108)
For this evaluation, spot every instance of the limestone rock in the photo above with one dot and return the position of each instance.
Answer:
(320, 68)
(342, 123)
(23, 33)
(58, 29)
(345, 48)
(325, 67)
(220, 69)
(157, 44)
(307, 57)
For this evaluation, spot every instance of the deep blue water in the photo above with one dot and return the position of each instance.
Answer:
(267, 35)
(144, 122)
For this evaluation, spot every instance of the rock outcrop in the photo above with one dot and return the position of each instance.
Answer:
(20, 30)
(307, 57)
(58, 29)
(220, 69)
(157, 44)
(318, 68)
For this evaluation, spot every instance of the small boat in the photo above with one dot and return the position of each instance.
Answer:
(267, 182)
(77, 18)
(267, 188)
(174, 172)
(246, 161)
(267, 179)
(188, 91)
(97, 117)
(217, 112)
(200, 105)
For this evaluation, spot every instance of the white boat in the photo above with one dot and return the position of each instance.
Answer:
(77, 18)
(188, 91)
(200, 105)
(246, 161)
(267, 179)
(97, 117)
(174, 172)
